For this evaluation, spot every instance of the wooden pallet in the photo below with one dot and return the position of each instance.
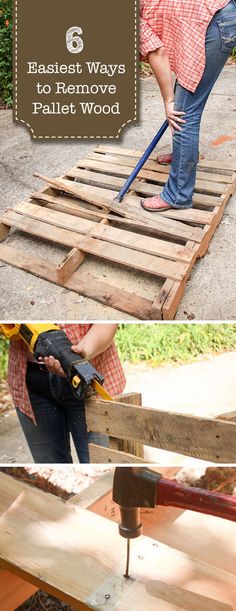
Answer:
(205, 438)
(78, 211)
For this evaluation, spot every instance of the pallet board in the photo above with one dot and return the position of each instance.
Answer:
(204, 438)
(79, 556)
(78, 211)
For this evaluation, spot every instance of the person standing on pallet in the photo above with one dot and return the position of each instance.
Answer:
(47, 409)
(194, 40)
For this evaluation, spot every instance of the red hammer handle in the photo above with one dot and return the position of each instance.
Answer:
(169, 492)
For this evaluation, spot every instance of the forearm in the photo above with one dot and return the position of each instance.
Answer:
(160, 66)
(98, 339)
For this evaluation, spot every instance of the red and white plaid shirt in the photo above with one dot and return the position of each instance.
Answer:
(107, 363)
(180, 26)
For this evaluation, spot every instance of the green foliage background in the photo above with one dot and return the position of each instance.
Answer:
(6, 86)
(160, 344)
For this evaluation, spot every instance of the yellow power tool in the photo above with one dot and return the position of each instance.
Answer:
(46, 339)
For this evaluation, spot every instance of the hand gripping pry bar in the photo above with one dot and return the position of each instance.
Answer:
(135, 487)
(143, 159)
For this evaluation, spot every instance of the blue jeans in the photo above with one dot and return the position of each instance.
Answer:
(220, 40)
(58, 414)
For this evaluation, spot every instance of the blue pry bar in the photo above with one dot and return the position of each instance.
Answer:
(141, 162)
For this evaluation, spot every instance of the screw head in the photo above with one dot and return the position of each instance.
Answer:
(107, 596)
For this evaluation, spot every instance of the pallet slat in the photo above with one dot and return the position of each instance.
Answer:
(121, 170)
(118, 254)
(139, 186)
(117, 236)
(202, 438)
(84, 284)
(223, 164)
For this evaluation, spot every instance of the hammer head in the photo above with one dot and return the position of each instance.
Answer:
(133, 487)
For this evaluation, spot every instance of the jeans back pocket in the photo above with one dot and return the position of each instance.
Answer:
(227, 26)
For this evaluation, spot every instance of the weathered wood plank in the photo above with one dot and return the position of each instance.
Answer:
(140, 186)
(108, 233)
(202, 438)
(129, 447)
(111, 168)
(46, 541)
(161, 171)
(99, 454)
(156, 266)
(82, 283)
(129, 209)
(213, 164)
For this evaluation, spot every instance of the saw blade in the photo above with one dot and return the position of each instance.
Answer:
(101, 391)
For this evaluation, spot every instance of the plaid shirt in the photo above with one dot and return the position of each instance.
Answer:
(107, 363)
(180, 26)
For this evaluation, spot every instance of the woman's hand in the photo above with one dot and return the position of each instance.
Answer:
(174, 116)
(52, 365)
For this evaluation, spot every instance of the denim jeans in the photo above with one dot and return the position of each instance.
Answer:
(220, 40)
(58, 414)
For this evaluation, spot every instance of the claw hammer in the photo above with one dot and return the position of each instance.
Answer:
(135, 487)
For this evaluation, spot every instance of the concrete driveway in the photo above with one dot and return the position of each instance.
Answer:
(211, 290)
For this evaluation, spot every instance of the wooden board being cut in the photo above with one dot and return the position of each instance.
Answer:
(79, 557)
(157, 252)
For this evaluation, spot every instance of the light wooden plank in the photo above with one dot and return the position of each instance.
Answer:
(160, 170)
(108, 181)
(146, 263)
(130, 208)
(140, 186)
(111, 168)
(79, 557)
(82, 283)
(93, 494)
(222, 164)
(118, 254)
(203, 438)
(99, 454)
(114, 235)
(72, 207)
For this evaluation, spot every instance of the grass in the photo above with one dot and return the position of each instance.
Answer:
(3, 357)
(161, 344)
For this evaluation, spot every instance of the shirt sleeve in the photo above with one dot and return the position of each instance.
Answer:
(149, 41)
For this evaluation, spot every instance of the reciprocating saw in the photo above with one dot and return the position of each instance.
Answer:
(46, 339)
